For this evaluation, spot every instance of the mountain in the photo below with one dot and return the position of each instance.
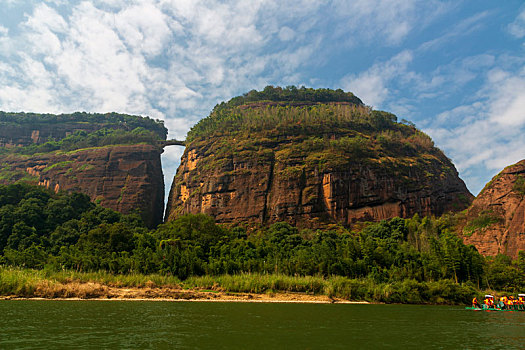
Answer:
(311, 158)
(496, 219)
(113, 158)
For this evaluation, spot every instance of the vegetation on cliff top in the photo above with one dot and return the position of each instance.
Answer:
(291, 94)
(106, 120)
(81, 139)
(310, 129)
(41, 229)
(81, 130)
(295, 111)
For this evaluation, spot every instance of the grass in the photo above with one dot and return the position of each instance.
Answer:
(50, 284)
(45, 283)
(519, 185)
(57, 165)
(479, 223)
(408, 291)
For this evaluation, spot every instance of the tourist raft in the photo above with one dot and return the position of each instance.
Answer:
(504, 304)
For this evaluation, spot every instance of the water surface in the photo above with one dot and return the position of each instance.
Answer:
(34, 324)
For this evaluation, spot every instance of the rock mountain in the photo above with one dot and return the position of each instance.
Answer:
(113, 158)
(311, 158)
(496, 218)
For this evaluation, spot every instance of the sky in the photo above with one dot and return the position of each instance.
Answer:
(454, 68)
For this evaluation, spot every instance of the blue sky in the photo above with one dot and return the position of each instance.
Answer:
(454, 68)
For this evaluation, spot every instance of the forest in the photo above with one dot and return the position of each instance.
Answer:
(82, 139)
(291, 94)
(43, 230)
(108, 120)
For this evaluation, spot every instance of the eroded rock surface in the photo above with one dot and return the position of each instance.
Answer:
(496, 218)
(312, 176)
(125, 178)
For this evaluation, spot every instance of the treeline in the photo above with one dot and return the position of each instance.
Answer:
(125, 121)
(296, 120)
(291, 94)
(40, 229)
(82, 139)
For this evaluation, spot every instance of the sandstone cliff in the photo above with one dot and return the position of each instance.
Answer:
(124, 177)
(496, 218)
(311, 164)
(18, 135)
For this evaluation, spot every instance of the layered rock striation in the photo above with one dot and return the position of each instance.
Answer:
(496, 219)
(311, 164)
(124, 177)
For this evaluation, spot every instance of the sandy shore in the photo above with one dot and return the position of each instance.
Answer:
(95, 291)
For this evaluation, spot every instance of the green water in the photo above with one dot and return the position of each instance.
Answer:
(200, 325)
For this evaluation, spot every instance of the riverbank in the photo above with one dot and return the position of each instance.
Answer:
(95, 291)
(27, 283)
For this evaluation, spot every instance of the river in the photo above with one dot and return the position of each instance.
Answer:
(45, 324)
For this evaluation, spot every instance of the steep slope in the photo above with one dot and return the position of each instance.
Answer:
(496, 218)
(328, 159)
(112, 158)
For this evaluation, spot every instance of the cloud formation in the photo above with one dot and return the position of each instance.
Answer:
(490, 131)
(372, 85)
(517, 28)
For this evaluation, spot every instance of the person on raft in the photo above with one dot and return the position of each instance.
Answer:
(489, 301)
(505, 301)
(475, 302)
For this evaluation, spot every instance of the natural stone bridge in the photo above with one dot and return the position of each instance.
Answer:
(172, 143)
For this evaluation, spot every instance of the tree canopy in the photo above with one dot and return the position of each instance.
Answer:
(39, 228)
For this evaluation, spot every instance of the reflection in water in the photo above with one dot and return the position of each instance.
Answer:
(194, 325)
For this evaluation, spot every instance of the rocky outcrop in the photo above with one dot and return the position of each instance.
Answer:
(124, 178)
(272, 175)
(124, 173)
(496, 219)
(16, 135)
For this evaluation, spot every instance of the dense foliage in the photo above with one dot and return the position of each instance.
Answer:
(81, 139)
(291, 94)
(321, 126)
(65, 231)
(107, 120)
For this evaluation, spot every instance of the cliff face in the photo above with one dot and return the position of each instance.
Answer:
(125, 178)
(110, 159)
(496, 218)
(13, 135)
(348, 167)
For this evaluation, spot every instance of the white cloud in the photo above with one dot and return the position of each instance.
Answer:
(387, 21)
(490, 134)
(144, 28)
(517, 28)
(460, 29)
(372, 85)
(286, 34)
(508, 99)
